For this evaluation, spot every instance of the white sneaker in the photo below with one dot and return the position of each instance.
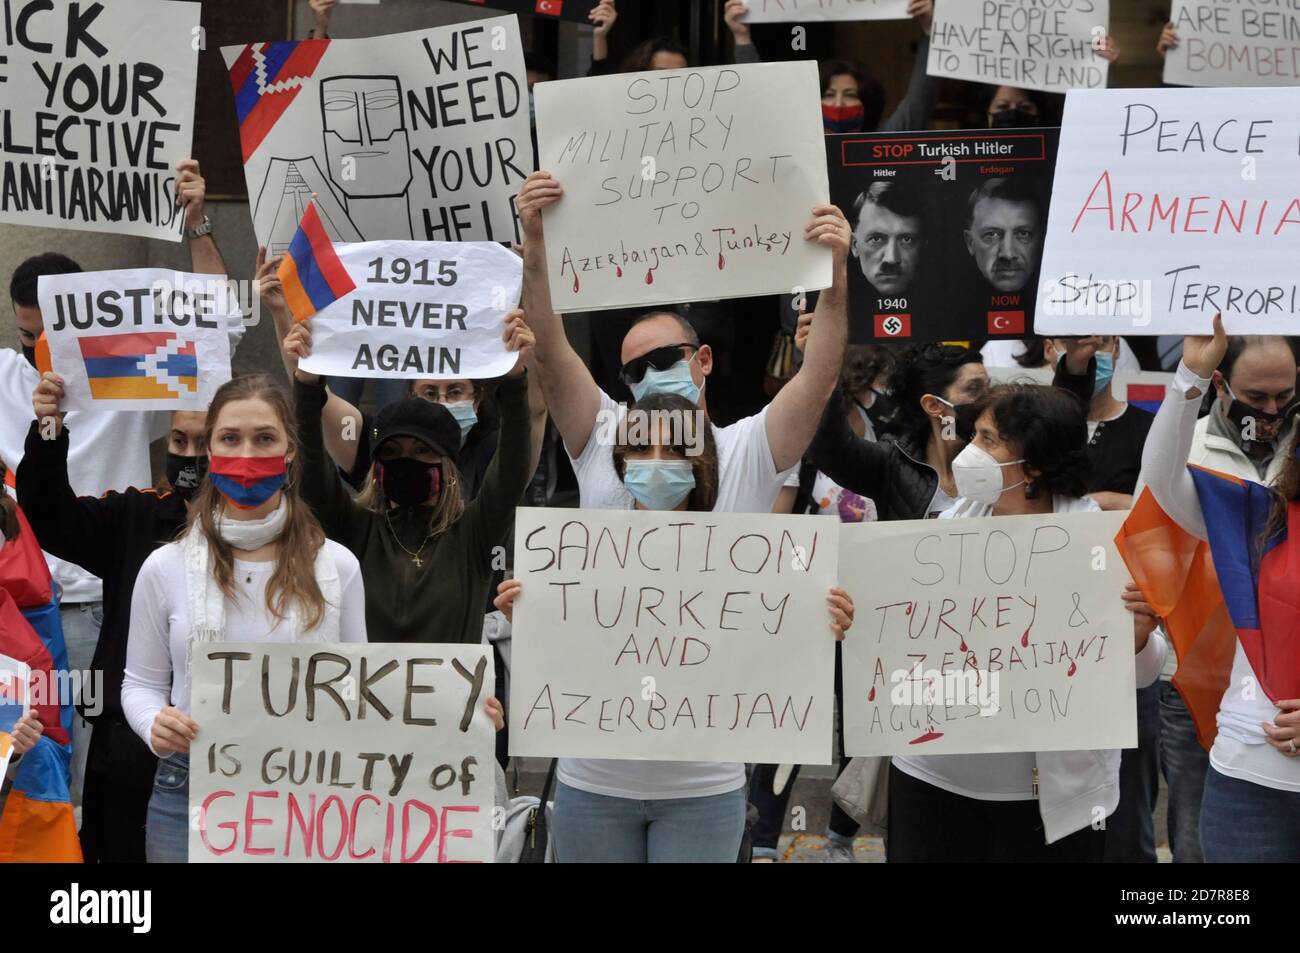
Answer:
(837, 853)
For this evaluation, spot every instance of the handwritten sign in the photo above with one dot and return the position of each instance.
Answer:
(96, 109)
(1170, 205)
(421, 310)
(948, 230)
(792, 11)
(672, 636)
(342, 754)
(683, 185)
(1227, 43)
(417, 136)
(138, 339)
(574, 11)
(1024, 43)
(975, 635)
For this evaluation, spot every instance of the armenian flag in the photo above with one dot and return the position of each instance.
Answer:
(312, 275)
(1241, 585)
(267, 78)
(151, 365)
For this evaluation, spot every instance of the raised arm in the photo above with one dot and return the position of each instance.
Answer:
(1164, 458)
(341, 518)
(857, 464)
(571, 393)
(917, 105)
(794, 413)
(191, 191)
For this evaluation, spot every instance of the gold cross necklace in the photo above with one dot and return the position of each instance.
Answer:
(415, 556)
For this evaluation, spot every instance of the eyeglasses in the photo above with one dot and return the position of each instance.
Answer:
(661, 358)
(452, 395)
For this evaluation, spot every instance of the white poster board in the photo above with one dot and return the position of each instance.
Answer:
(96, 110)
(795, 11)
(982, 635)
(421, 310)
(139, 338)
(342, 753)
(417, 136)
(1024, 43)
(683, 185)
(1228, 43)
(672, 636)
(1169, 205)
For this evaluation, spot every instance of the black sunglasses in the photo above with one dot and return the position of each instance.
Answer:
(661, 358)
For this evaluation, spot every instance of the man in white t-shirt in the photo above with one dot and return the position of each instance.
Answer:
(662, 353)
(111, 451)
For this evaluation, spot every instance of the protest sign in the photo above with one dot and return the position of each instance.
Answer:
(1143, 389)
(1172, 204)
(793, 11)
(682, 185)
(138, 339)
(947, 230)
(417, 136)
(575, 11)
(1025, 43)
(15, 679)
(1006, 633)
(420, 310)
(672, 636)
(376, 753)
(96, 110)
(1227, 43)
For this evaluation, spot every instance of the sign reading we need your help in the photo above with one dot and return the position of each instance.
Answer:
(1006, 633)
(96, 110)
(790, 11)
(681, 185)
(1172, 204)
(420, 310)
(138, 339)
(342, 753)
(672, 636)
(418, 136)
(1229, 43)
(1031, 44)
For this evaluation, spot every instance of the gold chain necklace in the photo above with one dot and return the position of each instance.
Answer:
(415, 556)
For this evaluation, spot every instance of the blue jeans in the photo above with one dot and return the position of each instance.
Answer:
(598, 829)
(1184, 763)
(387, 390)
(81, 623)
(167, 829)
(1246, 823)
(1131, 830)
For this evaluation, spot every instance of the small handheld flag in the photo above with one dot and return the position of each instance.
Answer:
(311, 274)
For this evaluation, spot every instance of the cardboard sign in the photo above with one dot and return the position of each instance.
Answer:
(417, 136)
(1170, 205)
(683, 185)
(672, 636)
(342, 753)
(96, 110)
(947, 230)
(980, 635)
(793, 11)
(1030, 44)
(421, 310)
(1228, 43)
(140, 338)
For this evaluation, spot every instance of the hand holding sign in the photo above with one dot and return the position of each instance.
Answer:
(191, 189)
(46, 402)
(1202, 354)
(26, 732)
(541, 189)
(172, 732)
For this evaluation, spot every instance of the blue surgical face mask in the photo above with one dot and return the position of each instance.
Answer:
(1105, 371)
(463, 411)
(676, 380)
(659, 484)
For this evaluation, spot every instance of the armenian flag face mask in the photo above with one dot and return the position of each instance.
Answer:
(247, 482)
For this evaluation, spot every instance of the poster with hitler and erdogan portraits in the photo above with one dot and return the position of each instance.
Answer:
(948, 231)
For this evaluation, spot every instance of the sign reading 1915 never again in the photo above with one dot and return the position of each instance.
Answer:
(1170, 205)
(96, 110)
(683, 185)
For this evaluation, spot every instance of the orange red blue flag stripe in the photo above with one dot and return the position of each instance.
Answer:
(311, 274)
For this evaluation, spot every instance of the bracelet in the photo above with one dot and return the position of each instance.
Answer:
(201, 230)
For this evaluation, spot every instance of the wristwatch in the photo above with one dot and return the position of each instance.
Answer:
(200, 231)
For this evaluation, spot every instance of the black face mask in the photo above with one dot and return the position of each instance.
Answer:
(408, 482)
(1268, 426)
(882, 411)
(1016, 118)
(30, 354)
(185, 474)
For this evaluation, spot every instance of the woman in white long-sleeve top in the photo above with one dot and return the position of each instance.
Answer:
(1027, 456)
(251, 565)
(1250, 811)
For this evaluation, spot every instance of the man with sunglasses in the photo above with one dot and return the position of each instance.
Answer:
(662, 354)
